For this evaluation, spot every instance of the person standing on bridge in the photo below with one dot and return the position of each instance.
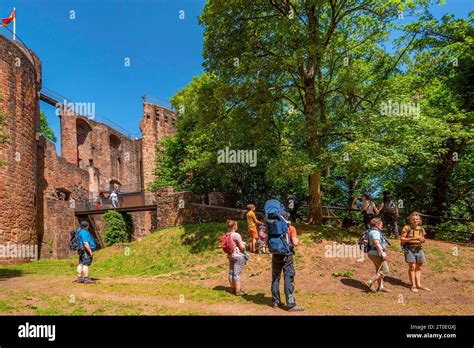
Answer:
(99, 201)
(114, 199)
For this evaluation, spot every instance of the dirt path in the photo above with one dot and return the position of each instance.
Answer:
(205, 292)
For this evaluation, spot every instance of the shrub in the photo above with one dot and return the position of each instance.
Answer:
(444, 231)
(118, 228)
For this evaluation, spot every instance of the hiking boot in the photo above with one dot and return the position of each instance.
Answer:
(87, 280)
(79, 280)
(295, 308)
(277, 306)
(240, 293)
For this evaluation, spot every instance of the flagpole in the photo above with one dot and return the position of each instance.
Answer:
(14, 26)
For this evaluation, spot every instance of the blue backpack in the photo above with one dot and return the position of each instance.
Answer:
(277, 228)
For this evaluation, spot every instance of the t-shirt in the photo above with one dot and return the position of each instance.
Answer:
(376, 235)
(84, 236)
(370, 207)
(236, 238)
(251, 219)
(413, 233)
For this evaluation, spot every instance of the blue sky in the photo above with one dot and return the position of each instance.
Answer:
(83, 58)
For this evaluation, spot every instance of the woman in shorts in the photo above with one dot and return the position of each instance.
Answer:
(237, 259)
(412, 240)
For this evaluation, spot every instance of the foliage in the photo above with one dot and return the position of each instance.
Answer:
(263, 90)
(118, 228)
(45, 130)
(446, 234)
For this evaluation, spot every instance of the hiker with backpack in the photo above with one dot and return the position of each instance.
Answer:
(389, 209)
(368, 209)
(252, 223)
(412, 240)
(281, 243)
(233, 246)
(84, 244)
(377, 253)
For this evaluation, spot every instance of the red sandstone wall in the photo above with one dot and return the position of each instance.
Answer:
(157, 122)
(56, 217)
(20, 83)
(89, 144)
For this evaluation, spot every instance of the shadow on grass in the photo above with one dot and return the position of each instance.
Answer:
(223, 288)
(10, 273)
(396, 282)
(202, 237)
(259, 298)
(355, 284)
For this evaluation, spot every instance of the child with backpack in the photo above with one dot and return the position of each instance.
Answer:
(232, 245)
(262, 240)
(412, 240)
(281, 243)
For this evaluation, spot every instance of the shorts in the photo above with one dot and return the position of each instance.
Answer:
(381, 266)
(84, 258)
(253, 233)
(236, 265)
(413, 255)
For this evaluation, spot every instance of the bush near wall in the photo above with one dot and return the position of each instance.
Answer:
(118, 228)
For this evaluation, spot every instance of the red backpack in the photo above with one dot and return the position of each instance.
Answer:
(226, 243)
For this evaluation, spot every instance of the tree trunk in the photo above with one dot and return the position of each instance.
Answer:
(315, 213)
(443, 174)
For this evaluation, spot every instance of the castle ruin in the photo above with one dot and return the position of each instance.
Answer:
(39, 190)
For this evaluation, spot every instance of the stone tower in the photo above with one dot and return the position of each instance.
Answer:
(20, 85)
(157, 122)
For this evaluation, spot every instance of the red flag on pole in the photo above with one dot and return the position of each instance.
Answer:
(6, 21)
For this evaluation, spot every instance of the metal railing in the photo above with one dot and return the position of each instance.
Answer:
(129, 200)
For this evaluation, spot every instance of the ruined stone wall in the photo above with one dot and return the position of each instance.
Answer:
(109, 155)
(178, 208)
(56, 216)
(157, 122)
(20, 83)
(59, 221)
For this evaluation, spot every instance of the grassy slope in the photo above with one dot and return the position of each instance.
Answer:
(186, 261)
(165, 251)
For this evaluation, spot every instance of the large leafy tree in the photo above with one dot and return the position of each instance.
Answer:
(441, 71)
(295, 52)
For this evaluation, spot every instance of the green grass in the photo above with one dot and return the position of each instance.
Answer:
(441, 260)
(165, 251)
